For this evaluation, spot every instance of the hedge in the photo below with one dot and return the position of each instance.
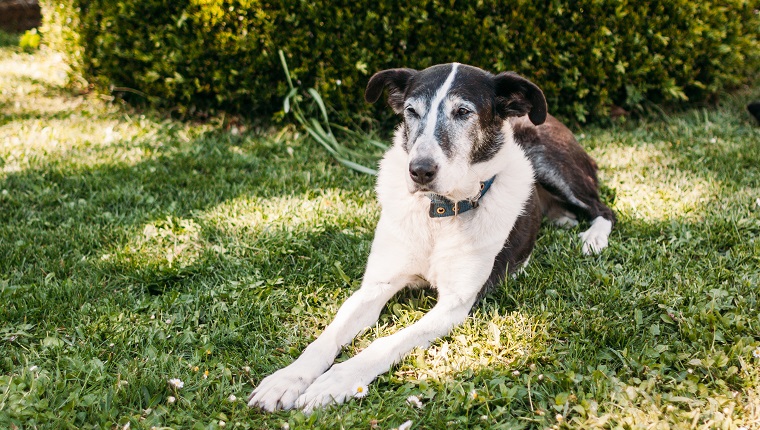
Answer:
(586, 55)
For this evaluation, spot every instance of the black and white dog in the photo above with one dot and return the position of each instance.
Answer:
(474, 166)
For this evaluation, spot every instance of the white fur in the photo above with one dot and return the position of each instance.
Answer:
(595, 239)
(453, 255)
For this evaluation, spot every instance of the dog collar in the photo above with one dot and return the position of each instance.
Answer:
(441, 207)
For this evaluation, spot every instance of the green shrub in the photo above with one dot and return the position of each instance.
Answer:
(586, 55)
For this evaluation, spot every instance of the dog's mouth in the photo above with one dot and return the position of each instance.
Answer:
(422, 189)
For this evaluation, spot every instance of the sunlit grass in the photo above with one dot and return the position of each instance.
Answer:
(137, 249)
(648, 185)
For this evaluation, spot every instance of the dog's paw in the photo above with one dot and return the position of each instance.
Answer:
(565, 222)
(280, 389)
(595, 239)
(334, 387)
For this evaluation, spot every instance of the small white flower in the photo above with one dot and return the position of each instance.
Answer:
(123, 383)
(153, 316)
(756, 352)
(473, 394)
(176, 383)
(34, 369)
(168, 321)
(516, 373)
(414, 401)
(127, 426)
(405, 426)
(285, 426)
(339, 82)
(713, 140)
(247, 369)
(110, 345)
(171, 399)
(222, 423)
(232, 398)
(360, 390)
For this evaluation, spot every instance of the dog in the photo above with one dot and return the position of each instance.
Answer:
(475, 165)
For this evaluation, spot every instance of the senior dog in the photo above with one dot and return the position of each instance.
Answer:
(475, 165)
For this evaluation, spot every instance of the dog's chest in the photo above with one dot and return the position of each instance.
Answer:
(434, 247)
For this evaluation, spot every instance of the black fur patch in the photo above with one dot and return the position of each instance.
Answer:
(488, 148)
(441, 133)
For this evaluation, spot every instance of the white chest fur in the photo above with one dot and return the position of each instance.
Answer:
(432, 246)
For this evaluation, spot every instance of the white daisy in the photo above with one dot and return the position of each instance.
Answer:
(756, 352)
(176, 383)
(360, 390)
(414, 401)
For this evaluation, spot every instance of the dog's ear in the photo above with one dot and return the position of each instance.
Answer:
(516, 96)
(396, 80)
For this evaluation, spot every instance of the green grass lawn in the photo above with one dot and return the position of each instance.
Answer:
(135, 249)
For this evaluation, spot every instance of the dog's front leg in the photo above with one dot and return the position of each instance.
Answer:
(282, 388)
(337, 384)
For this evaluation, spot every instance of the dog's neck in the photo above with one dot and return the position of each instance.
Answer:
(441, 207)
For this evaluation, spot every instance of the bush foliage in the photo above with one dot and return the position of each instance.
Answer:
(586, 55)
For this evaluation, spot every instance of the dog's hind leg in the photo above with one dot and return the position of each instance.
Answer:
(578, 197)
(559, 210)
(564, 205)
(567, 175)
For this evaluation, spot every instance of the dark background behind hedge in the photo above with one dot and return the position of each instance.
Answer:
(214, 55)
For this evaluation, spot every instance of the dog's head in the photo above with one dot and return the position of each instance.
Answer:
(454, 118)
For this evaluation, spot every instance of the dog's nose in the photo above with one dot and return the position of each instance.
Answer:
(423, 171)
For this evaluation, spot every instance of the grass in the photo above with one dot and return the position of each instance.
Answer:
(137, 249)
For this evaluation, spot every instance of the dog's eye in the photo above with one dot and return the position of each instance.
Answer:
(411, 112)
(462, 112)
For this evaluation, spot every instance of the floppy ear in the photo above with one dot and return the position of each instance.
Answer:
(516, 96)
(396, 80)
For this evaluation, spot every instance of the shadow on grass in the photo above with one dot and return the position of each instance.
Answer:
(59, 220)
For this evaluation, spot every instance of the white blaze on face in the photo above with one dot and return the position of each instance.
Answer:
(425, 146)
